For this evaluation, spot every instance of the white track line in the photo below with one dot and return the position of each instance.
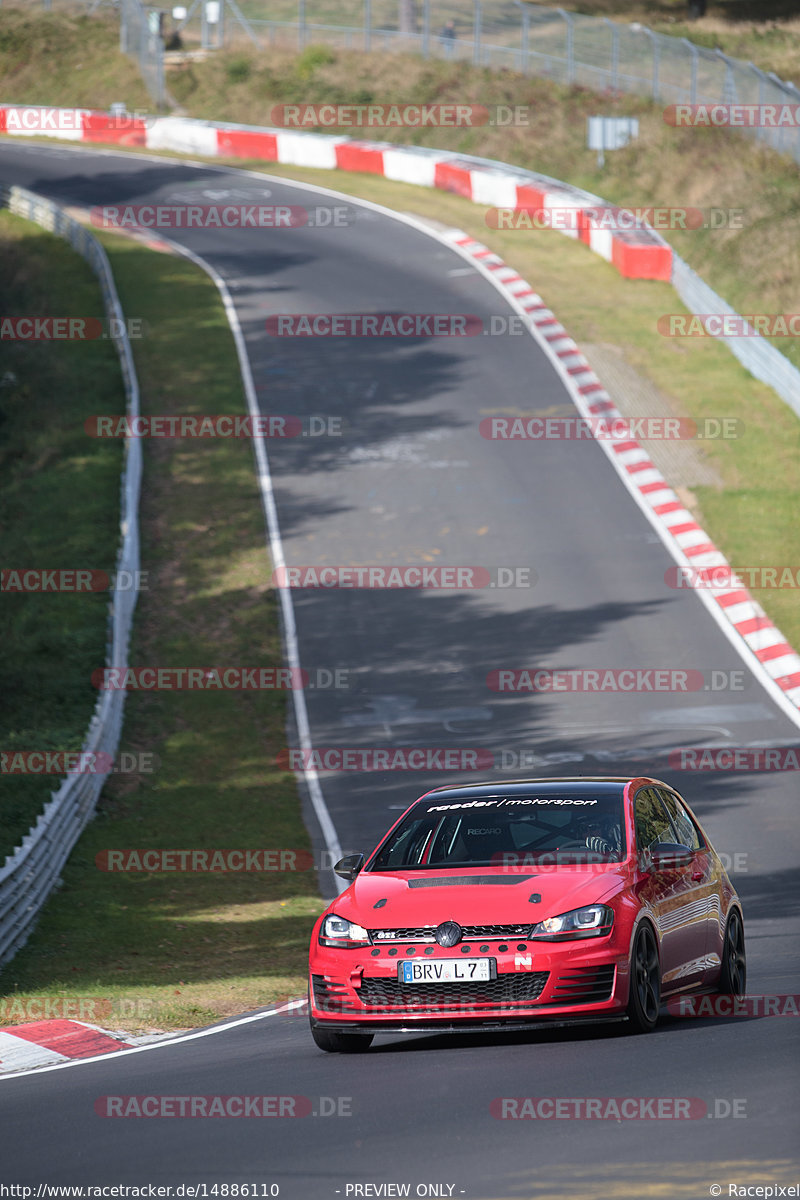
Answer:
(277, 556)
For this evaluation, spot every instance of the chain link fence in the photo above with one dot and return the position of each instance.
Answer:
(568, 48)
(140, 37)
(515, 35)
(32, 871)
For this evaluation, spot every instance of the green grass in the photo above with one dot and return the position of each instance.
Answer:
(45, 56)
(59, 508)
(174, 950)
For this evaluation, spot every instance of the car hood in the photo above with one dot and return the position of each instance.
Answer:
(474, 896)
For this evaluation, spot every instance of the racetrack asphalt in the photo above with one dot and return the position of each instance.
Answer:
(410, 480)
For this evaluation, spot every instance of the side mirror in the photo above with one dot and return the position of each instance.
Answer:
(349, 866)
(666, 856)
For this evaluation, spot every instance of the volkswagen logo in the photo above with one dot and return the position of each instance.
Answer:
(448, 933)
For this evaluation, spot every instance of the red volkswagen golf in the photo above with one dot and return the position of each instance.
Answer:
(499, 905)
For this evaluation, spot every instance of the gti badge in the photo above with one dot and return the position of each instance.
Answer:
(448, 933)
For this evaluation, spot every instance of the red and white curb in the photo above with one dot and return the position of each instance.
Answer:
(46, 1043)
(637, 253)
(50, 1052)
(748, 627)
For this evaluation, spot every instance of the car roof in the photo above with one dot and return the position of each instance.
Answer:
(577, 785)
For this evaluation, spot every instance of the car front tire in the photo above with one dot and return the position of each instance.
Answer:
(644, 999)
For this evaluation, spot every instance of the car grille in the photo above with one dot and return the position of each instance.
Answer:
(471, 933)
(506, 989)
(584, 985)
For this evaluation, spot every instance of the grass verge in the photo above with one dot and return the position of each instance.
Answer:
(161, 951)
(59, 509)
(45, 55)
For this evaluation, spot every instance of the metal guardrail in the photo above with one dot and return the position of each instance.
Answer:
(756, 354)
(32, 871)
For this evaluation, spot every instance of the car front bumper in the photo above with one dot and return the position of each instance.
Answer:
(535, 981)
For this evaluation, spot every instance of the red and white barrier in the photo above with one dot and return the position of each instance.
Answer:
(637, 254)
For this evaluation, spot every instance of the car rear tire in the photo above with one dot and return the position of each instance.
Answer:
(733, 972)
(341, 1043)
(645, 983)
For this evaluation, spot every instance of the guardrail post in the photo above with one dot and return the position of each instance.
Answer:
(301, 24)
(796, 100)
(695, 56)
(656, 59)
(781, 85)
(426, 28)
(367, 24)
(476, 32)
(614, 52)
(570, 45)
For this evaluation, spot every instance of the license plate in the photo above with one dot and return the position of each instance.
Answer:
(447, 970)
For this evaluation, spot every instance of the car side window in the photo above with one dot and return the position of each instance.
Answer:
(652, 822)
(684, 825)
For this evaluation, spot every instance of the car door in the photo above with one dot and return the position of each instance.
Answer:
(668, 892)
(702, 891)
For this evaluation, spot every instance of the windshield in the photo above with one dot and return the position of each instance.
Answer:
(505, 832)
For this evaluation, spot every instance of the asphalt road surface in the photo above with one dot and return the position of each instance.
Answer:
(410, 480)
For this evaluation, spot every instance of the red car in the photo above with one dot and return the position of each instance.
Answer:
(498, 905)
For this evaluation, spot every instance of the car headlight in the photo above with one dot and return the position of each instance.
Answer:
(337, 931)
(593, 921)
